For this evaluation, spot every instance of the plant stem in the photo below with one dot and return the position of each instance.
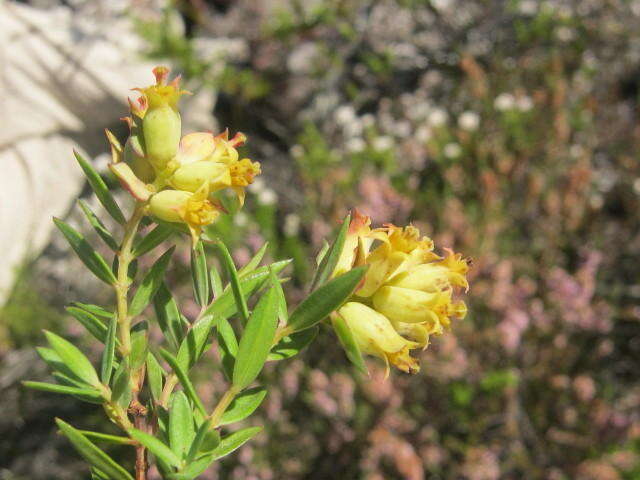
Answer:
(122, 285)
(222, 405)
(172, 381)
(125, 257)
(141, 456)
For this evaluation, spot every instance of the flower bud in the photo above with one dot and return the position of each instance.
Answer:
(191, 177)
(192, 209)
(161, 124)
(195, 147)
(162, 128)
(405, 305)
(375, 335)
(166, 205)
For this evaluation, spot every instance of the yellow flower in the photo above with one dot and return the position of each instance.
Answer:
(193, 209)
(242, 174)
(406, 283)
(205, 158)
(375, 335)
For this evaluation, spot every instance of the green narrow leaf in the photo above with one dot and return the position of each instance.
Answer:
(227, 346)
(168, 316)
(234, 441)
(331, 257)
(154, 376)
(283, 313)
(106, 367)
(156, 447)
(195, 342)
(234, 281)
(257, 339)
(216, 282)
(121, 386)
(211, 440)
(225, 306)
(348, 343)
(81, 390)
(150, 284)
(139, 344)
(93, 454)
(94, 310)
(243, 405)
(63, 389)
(325, 300)
(98, 226)
(87, 254)
(200, 275)
(254, 262)
(57, 365)
(184, 380)
(98, 475)
(323, 251)
(88, 320)
(105, 437)
(100, 189)
(291, 345)
(181, 428)
(70, 380)
(198, 440)
(73, 358)
(152, 239)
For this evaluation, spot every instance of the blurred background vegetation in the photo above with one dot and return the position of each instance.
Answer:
(507, 130)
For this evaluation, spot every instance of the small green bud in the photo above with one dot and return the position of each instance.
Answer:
(162, 129)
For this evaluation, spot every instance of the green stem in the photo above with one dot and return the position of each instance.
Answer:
(125, 257)
(121, 287)
(170, 384)
(222, 406)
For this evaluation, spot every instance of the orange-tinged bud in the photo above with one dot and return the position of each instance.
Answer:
(195, 147)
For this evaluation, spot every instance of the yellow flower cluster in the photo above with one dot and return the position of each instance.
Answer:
(407, 294)
(178, 176)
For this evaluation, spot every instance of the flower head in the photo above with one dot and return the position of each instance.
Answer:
(161, 94)
(177, 175)
(205, 158)
(411, 290)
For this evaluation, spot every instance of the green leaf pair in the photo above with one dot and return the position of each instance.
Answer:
(72, 368)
